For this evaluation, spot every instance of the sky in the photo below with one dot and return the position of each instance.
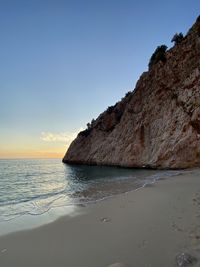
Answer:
(63, 62)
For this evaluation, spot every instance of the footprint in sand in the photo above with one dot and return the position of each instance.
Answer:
(105, 219)
(143, 244)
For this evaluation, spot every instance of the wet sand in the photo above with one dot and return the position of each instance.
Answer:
(148, 227)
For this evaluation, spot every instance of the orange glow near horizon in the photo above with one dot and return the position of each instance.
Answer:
(32, 154)
(47, 145)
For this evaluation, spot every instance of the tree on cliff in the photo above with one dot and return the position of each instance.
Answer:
(177, 38)
(158, 55)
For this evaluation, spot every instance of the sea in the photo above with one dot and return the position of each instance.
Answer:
(37, 191)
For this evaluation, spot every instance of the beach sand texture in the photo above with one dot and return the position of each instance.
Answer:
(144, 228)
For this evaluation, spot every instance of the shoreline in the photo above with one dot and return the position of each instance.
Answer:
(146, 227)
(28, 221)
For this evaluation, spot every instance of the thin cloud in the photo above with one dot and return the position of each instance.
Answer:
(65, 137)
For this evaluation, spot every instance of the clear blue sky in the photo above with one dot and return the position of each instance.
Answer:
(64, 62)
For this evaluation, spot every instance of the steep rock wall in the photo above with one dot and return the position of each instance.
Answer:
(158, 124)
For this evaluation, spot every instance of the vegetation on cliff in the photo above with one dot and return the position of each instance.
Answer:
(177, 38)
(158, 55)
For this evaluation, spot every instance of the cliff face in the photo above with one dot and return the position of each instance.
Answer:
(158, 124)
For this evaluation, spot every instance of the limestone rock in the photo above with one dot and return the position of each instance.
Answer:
(158, 124)
(185, 259)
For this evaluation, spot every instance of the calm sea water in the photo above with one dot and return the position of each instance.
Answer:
(34, 186)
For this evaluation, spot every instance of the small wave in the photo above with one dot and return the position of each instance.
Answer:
(31, 198)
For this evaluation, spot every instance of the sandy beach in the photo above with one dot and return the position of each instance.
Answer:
(148, 227)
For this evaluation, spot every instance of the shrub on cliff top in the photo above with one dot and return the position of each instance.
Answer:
(110, 109)
(196, 26)
(128, 94)
(198, 19)
(177, 38)
(88, 125)
(85, 133)
(158, 55)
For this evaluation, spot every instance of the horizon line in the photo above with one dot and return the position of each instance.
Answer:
(30, 158)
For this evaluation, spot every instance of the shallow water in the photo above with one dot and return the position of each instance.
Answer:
(35, 186)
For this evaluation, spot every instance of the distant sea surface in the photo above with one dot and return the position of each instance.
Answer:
(35, 186)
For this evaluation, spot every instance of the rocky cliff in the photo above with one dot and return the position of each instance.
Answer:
(158, 124)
